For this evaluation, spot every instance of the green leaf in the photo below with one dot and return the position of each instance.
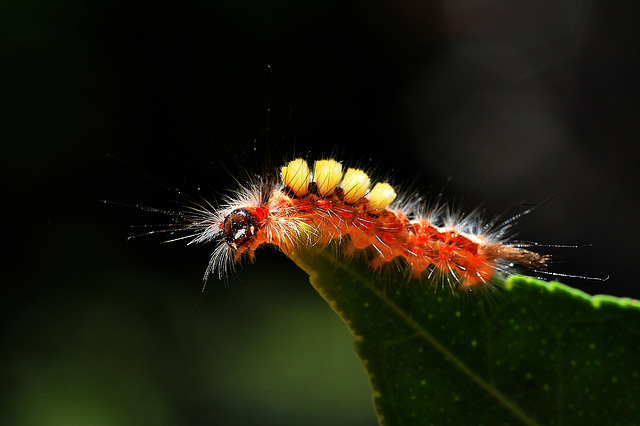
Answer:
(530, 352)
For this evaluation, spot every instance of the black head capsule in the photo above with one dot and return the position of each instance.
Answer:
(239, 228)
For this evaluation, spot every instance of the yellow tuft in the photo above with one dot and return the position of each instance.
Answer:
(355, 184)
(381, 196)
(296, 176)
(327, 175)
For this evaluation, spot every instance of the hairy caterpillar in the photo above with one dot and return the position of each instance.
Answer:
(307, 208)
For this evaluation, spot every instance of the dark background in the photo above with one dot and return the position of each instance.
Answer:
(124, 101)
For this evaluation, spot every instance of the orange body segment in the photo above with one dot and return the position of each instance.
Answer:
(325, 206)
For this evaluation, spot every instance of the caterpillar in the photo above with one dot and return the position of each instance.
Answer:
(306, 208)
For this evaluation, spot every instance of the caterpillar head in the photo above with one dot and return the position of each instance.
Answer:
(240, 228)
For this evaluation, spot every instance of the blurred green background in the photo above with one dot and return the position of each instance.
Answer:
(101, 100)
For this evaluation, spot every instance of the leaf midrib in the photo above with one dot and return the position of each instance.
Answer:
(497, 395)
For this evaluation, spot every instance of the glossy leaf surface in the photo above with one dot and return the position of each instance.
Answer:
(529, 352)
